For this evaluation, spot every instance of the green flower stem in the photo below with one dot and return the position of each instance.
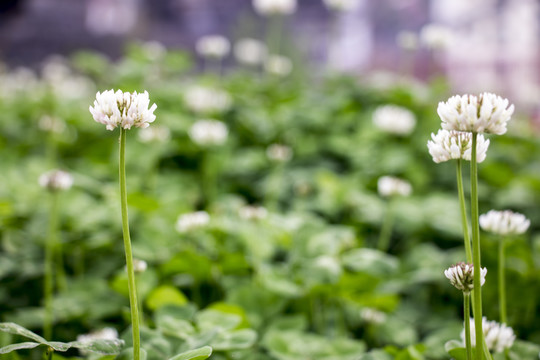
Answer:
(464, 222)
(49, 259)
(502, 283)
(274, 33)
(133, 303)
(386, 229)
(61, 281)
(477, 295)
(467, 317)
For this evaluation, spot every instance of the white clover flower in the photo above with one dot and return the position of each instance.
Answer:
(461, 275)
(155, 133)
(206, 100)
(213, 46)
(250, 212)
(190, 221)
(103, 334)
(448, 145)
(123, 109)
(407, 40)
(504, 222)
(391, 186)
(373, 316)
(341, 5)
(279, 153)
(250, 51)
(55, 180)
(498, 337)
(154, 50)
(487, 113)
(208, 132)
(274, 7)
(52, 124)
(394, 119)
(278, 65)
(435, 36)
(139, 266)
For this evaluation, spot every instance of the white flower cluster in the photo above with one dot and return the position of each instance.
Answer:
(55, 180)
(341, 5)
(279, 153)
(461, 276)
(498, 337)
(250, 51)
(504, 222)
(250, 212)
(448, 145)
(274, 7)
(155, 133)
(278, 65)
(391, 186)
(394, 119)
(206, 100)
(373, 316)
(213, 46)
(191, 221)
(208, 132)
(123, 109)
(487, 113)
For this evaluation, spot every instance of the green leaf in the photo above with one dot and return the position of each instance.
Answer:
(371, 261)
(19, 346)
(127, 354)
(104, 346)
(165, 295)
(240, 339)
(196, 354)
(16, 329)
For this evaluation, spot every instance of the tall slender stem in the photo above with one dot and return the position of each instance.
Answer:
(386, 229)
(467, 318)
(133, 303)
(464, 221)
(49, 259)
(477, 294)
(502, 283)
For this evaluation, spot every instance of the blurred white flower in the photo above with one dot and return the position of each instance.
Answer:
(250, 51)
(371, 315)
(190, 221)
(52, 124)
(103, 334)
(391, 186)
(279, 153)
(435, 36)
(213, 46)
(208, 132)
(19, 81)
(447, 145)
(341, 5)
(497, 336)
(394, 119)
(155, 133)
(504, 222)
(205, 100)
(55, 180)
(154, 50)
(139, 266)
(407, 40)
(250, 212)
(278, 65)
(487, 113)
(123, 109)
(274, 7)
(329, 265)
(461, 275)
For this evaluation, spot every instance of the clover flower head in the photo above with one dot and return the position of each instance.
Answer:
(498, 336)
(208, 132)
(486, 113)
(103, 334)
(154, 50)
(206, 100)
(279, 153)
(250, 212)
(392, 186)
(278, 65)
(407, 40)
(461, 276)
(250, 51)
(56, 180)
(504, 222)
(123, 109)
(213, 46)
(155, 133)
(341, 5)
(394, 119)
(274, 7)
(191, 221)
(448, 145)
(372, 315)
(436, 36)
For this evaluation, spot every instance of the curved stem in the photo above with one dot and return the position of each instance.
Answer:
(133, 303)
(386, 229)
(477, 294)
(467, 322)
(464, 221)
(502, 283)
(49, 259)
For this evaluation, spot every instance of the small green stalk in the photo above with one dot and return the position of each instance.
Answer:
(464, 221)
(467, 317)
(49, 259)
(386, 229)
(127, 245)
(502, 283)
